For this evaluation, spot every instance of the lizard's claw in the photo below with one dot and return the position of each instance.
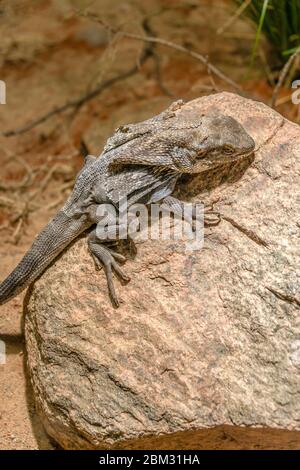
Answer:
(211, 218)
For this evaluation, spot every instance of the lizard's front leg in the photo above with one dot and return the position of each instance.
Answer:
(176, 206)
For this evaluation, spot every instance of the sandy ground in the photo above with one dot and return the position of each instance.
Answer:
(49, 56)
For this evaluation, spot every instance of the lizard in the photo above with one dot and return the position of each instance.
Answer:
(141, 162)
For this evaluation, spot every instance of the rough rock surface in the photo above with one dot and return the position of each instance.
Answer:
(207, 339)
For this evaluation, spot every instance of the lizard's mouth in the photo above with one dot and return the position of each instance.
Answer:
(203, 163)
(246, 153)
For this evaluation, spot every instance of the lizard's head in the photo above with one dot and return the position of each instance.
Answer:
(221, 140)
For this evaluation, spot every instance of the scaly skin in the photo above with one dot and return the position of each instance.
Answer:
(141, 162)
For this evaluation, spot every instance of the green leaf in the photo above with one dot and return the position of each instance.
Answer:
(259, 29)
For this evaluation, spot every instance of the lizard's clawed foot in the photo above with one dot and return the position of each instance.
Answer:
(212, 219)
(108, 259)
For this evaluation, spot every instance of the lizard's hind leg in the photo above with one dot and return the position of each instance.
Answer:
(108, 259)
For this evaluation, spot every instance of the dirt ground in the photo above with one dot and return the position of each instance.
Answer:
(50, 54)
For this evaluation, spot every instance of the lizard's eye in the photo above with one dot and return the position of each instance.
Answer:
(199, 154)
(228, 150)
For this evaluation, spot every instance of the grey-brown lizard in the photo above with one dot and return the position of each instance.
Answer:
(141, 162)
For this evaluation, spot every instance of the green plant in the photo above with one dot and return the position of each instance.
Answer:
(279, 20)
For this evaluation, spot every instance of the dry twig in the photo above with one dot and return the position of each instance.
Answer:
(163, 42)
(146, 53)
(233, 18)
(20, 205)
(25, 181)
(283, 74)
(77, 102)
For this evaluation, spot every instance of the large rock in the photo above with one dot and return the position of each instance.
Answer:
(207, 339)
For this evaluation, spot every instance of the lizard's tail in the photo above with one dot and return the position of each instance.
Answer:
(57, 234)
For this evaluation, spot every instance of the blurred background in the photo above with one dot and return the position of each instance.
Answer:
(74, 71)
